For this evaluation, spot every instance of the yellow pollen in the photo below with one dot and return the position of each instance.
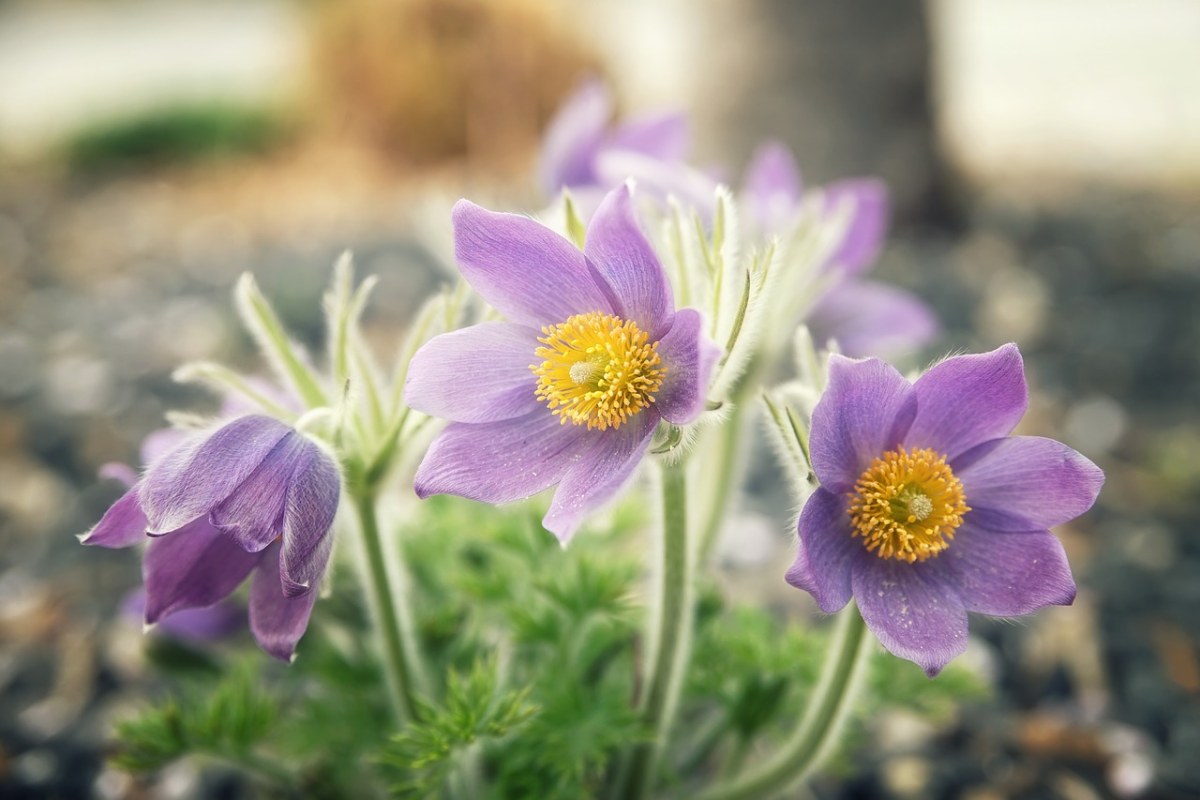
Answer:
(598, 370)
(907, 505)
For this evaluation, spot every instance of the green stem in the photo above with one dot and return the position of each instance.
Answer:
(391, 616)
(672, 629)
(727, 462)
(830, 705)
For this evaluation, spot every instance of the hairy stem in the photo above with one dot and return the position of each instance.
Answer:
(820, 729)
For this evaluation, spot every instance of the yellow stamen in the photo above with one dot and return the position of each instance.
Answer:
(598, 370)
(907, 505)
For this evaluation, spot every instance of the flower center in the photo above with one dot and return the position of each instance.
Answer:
(907, 505)
(598, 370)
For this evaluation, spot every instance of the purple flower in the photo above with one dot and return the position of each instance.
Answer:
(197, 625)
(865, 317)
(928, 508)
(583, 152)
(571, 388)
(254, 494)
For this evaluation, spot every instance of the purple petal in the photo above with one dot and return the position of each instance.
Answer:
(968, 400)
(1023, 483)
(913, 616)
(119, 472)
(865, 410)
(476, 374)
(573, 136)
(772, 187)
(277, 620)
(122, 525)
(194, 567)
(662, 179)
(867, 318)
(499, 462)
(192, 479)
(312, 503)
(253, 513)
(597, 475)
(1005, 574)
(827, 550)
(867, 199)
(159, 443)
(526, 271)
(666, 137)
(199, 625)
(689, 357)
(617, 250)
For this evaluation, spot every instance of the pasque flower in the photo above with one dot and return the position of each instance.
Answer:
(569, 390)
(927, 507)
(865, 317)
(252, 495)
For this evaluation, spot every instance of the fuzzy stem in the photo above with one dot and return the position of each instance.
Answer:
(391, 616)
(672, 629)
(828, 708)
(727, 461)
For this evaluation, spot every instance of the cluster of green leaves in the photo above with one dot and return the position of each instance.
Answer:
(533, 651)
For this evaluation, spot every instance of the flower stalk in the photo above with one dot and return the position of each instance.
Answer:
(820, 730)
(671, 627)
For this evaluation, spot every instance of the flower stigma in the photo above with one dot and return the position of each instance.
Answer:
(907, 505)
(598, 370)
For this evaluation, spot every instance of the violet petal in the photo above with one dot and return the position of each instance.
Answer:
(666, 137)
(1004, 574)
(573, 136)
(523, 269)
(914, 617)
(122, 525)
(599, 474)
(619, 253)
(194, 567)
(865, 410)
(1022, 483)
(968, 400)
(772, 187)
(476, 374)
(312, 502)
(828, 549)
(689, 357)
(499, 462)
(868, 318)
(253, 512)
(869, 210)
(277, 620)
(192, 479)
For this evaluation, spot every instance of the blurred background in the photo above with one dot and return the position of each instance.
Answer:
(1044, 158)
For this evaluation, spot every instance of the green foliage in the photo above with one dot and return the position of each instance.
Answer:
(177, 133)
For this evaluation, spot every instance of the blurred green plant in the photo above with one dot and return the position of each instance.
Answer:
(178, 133)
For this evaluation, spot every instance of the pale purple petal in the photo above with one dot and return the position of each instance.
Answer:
(192, 479)
(618, 251)
(476, 374)
(827, 549)
(914, 616)
(772, 187)
(253, 512)
(866, 199)
(599, 474)
(159, 443)
(499, 462)
(666, 137)
(1004, 574)
(867, 318)
(122, 525)
(276, 620)
(312, 502)
(968, 400)
(194, 567)
(523, 269)
(573, 136)
(199, 625)
(689, 357)
(661, 179)
(1023, 483)
(119, 472)
(865, 410)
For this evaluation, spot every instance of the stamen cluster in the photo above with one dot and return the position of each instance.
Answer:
(907, 505)
(598, 370)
